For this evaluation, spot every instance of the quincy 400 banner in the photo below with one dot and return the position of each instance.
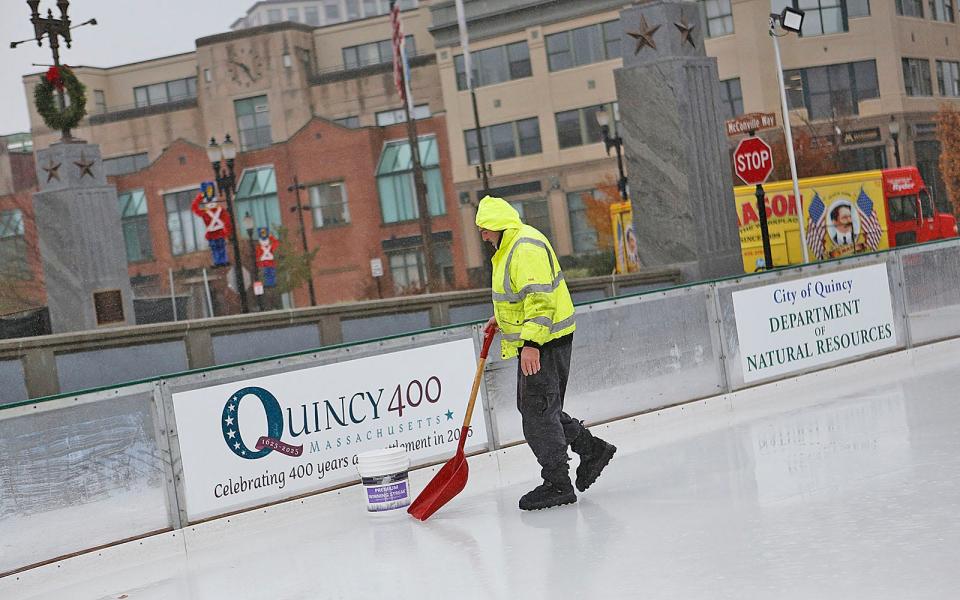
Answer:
(265, 439)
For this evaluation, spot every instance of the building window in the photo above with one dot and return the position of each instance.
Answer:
(864, 159)
(731, 98)
(407, 269)
(948, 77)
(398, 201)
(353, 9)
(352, 121)
(253, 122)
(941, 10)
(928, 162)
(187, 232)
(535, 212)
(19, 143)
(506, 140)
(916, 77)
(408, 266)
(167, 91)
(257, 195)
(495, 65)
(584, 45)
(331, 10)
(100, 102)
(910, 8)
(329, 204)
(122, 165)
(274, 15)
(311, 16)
(13, 246)
(135, 225)
(858, 8)
(579, 127)
(375, 53)
(372, 8)
(399, 115)
(717, 18)
(834, 90)
(584, 235)
(823, 17)
(293, 14)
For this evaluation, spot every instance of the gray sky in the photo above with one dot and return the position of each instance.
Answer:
(128, 31)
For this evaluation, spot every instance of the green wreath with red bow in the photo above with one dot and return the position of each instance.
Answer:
(61, 79)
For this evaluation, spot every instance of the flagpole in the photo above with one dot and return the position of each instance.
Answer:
(420, 189)
(468, 72)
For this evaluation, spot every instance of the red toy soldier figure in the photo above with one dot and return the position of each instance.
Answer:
(217, 222)
(266, 248)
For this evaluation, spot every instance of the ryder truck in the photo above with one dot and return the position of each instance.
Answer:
(844, 214)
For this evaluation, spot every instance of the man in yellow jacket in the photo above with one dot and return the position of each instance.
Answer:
(535, 315)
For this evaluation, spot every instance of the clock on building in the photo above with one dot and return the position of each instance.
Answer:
(245, 67)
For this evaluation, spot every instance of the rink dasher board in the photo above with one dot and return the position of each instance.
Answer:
(125, 566)
(931, 300)
(733, 361)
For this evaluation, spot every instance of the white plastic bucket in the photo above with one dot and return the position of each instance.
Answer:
(384, 477)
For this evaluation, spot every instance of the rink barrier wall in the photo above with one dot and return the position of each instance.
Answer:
(103, 466)
(66, 363)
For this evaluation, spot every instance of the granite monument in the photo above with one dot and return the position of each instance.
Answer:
(677, 155)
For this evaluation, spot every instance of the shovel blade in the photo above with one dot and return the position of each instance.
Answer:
(447, 483)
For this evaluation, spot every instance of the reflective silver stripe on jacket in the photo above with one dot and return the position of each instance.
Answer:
(545, 321)
(510, 296)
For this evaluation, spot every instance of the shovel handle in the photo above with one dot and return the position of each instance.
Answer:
(487, 340)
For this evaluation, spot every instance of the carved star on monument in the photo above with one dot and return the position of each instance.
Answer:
(644, 36)
(85, 166)
(686, 31)
(51, 170)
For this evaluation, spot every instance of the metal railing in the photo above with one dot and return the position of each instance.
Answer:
(129, 111)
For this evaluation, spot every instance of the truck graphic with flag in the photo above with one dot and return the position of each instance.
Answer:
(846, 214)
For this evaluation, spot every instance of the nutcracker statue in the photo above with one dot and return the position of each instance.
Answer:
(217, 221)
(266, 249)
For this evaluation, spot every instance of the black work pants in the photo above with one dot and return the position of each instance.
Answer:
(549, 430)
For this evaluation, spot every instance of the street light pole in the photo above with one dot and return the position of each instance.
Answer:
(53, 29)
(248, 225)
(787, 128)
(603, 119)
(895, 136)
(299, 208)
(226, 183)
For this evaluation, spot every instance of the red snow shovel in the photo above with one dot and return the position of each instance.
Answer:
(452, 478)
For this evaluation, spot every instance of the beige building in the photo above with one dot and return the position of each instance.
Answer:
(858, 66)
(543, 70)
(316, 13)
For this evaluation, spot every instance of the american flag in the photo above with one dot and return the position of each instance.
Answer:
(817, 226)
(400, 69)
(872, 231)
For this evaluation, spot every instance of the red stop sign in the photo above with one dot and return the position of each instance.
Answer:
(753, 160)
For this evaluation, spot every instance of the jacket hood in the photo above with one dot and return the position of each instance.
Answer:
(496, 214)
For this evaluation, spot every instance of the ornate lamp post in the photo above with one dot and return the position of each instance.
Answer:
(248, 225)
(226, 183)
(53, 29)
(895, 136)
(603, 119)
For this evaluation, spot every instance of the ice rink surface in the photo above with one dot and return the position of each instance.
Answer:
(839, 484)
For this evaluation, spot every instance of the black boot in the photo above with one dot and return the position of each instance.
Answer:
(548, 495)
(594, 456)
